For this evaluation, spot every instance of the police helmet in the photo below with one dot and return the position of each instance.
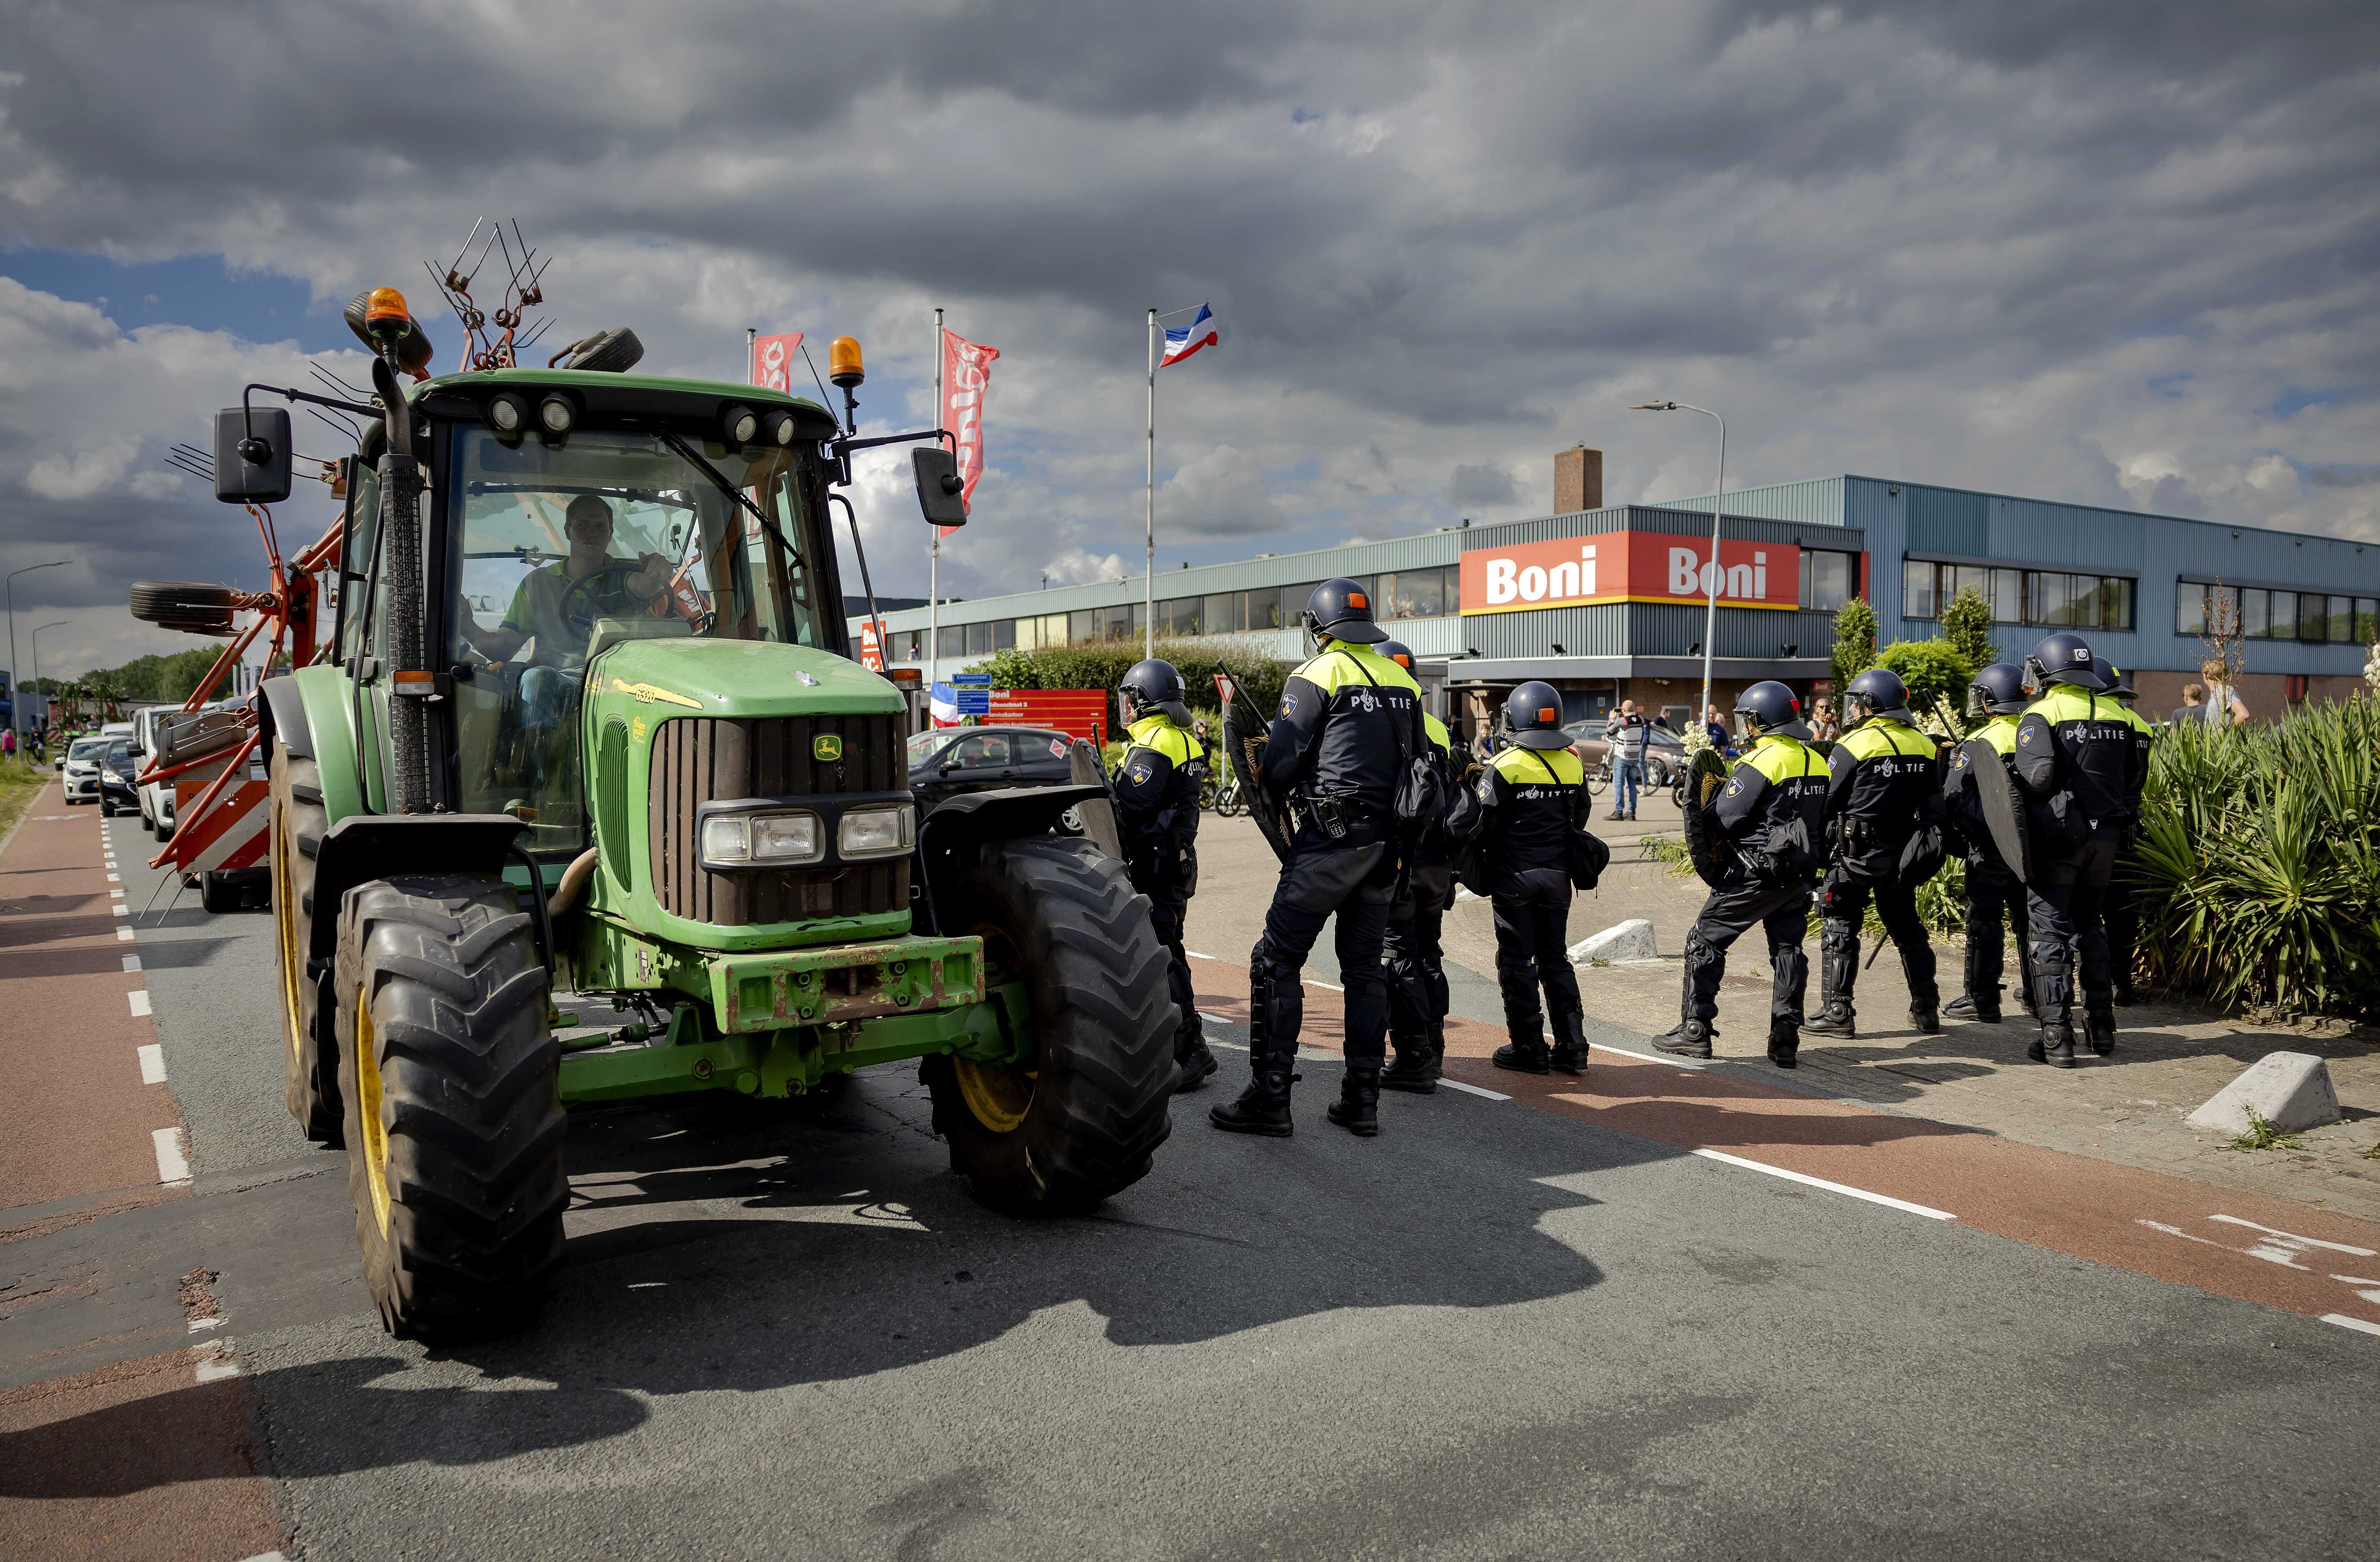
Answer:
(1769, 707)
(2064, 658)
(1997, 690)
(1153, 686)
(2112, 679)
(1340, 609)
(1395, 651)
(1533, 716)
(1876, 693)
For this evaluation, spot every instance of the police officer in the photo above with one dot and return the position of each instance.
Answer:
(2083, 763)
(1993, 889)
(1532, 795)
(1884, 787)
(2120, 911)
(1417, 992)
(1157, 815)
(1349, 719)
(1772, 813)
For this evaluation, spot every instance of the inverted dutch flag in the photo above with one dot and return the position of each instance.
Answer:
(1201, 332)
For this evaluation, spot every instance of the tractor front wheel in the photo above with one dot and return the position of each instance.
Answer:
(451, 1085)
(1079, 1120)
(295, 821)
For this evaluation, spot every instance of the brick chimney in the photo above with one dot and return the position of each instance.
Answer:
(1578, 480)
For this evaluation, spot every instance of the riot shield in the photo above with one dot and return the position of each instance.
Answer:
(2003, 806)
(1243, 746)
(1707, 843)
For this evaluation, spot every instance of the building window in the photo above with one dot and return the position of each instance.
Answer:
(2257, 613)
(1224, 612)
(2049, 598)
(1827, 580)
(954, 639)
(1416, 593)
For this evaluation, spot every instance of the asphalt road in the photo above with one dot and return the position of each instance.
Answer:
(1495, 1331)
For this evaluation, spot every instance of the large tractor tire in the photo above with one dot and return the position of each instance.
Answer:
(193, 606)
(451, 1085)
(295, 822)
(1080, 1119)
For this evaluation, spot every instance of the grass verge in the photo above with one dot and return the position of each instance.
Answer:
(20, 783)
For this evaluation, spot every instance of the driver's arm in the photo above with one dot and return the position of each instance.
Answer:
(652, 576)
(499, 643)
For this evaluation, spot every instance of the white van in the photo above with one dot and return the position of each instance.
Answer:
(157, 797)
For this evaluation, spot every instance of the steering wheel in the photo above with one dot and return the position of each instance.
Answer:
(580, 605)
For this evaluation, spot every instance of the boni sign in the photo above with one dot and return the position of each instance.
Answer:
(1629, 566)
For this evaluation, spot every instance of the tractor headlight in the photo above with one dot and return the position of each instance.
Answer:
(778, 427)
(875, 831)
(557, 413)
(738, 425)
(755, 840)
(507, 414)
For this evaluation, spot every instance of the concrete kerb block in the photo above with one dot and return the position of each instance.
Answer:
(2289, 1089)
(1631, 940)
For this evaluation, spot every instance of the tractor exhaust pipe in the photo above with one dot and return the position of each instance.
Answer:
(400, 522)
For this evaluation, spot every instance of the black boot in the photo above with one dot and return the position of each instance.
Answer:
(1784, 1044)
(2054, 1046)
(1415, 1070)
(1358, 1107)
(1437, 1050)
(1263, 1107)
(1526, 1053)
(1926, 1019)
(1196, 1065)
(1960, 1007)
(1691, 1038)
(1569, 1053)
(2124, 998)
(2099, 1029)
(1835, 1020)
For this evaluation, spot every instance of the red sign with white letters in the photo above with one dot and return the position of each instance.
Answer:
(1629, 566)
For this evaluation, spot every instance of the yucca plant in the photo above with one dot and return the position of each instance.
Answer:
(2258, 866)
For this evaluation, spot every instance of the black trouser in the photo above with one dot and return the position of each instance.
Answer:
(1533, 951)
(1418, 993)
(1994, 893)
(1168, 904)
(2065, 901)
(1842, 902)
(1740, 902)
(1354, 882)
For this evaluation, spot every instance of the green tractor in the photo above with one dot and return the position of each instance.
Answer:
(588, 724)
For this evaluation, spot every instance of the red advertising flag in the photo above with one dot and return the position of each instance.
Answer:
(773, 360)
(966, 374)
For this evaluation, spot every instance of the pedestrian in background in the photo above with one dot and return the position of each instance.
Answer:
(1824, 728)
(1714, 726)
(1627, 734)
(2223, 701)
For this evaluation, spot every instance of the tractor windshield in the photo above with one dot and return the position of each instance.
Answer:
(556, 551)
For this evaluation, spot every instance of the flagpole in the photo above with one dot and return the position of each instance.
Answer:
(751, 352)
(934, 566)
(1148, 604)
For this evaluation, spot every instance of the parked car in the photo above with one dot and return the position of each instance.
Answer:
(81, 769)
(117, 768)
(951, 759)
(1665, 751)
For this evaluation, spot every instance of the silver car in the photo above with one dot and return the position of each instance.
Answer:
(81, 769)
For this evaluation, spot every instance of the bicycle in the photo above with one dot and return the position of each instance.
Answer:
(1228, 804)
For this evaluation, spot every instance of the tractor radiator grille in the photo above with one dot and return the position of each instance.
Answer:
(702, 759)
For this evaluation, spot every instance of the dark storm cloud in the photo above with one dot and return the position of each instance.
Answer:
(2081, 251)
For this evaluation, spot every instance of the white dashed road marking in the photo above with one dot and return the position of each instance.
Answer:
(138, 999)
(131, 962)
(1829, 1186)
(1474, 1089)
(153, 1064)
(172, 1167)
(124, 934)
(2361, 1326)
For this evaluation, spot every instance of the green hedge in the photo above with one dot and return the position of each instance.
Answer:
(2258, 866)
(1102, 666)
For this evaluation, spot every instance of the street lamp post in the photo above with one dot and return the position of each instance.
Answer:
(15, 707)
(1710, 615)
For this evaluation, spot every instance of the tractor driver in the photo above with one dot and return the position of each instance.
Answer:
(542, 607)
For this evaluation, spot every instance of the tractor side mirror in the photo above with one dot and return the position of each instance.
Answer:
(253, 456)
(939, 491)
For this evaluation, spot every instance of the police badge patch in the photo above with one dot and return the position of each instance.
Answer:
(1139, 771)
(1288, 705)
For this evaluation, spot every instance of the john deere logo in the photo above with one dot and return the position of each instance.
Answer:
(827, 747)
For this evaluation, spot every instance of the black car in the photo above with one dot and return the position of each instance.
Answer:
(117, 769)
(951, 759)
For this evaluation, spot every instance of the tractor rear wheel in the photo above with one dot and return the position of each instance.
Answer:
(296, 820)
(1078, 1120)
(451, 1083)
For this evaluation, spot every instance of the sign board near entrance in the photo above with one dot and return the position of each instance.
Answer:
(1629, 566)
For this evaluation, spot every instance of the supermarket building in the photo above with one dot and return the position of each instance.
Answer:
(1607, 602)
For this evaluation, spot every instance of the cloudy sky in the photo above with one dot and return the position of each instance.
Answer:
(2125, 253)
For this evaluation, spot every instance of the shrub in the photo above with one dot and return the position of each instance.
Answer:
(1932, 668)
(1103, 663)
(1967, 625)
(2258, 864)
(1854, 641)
